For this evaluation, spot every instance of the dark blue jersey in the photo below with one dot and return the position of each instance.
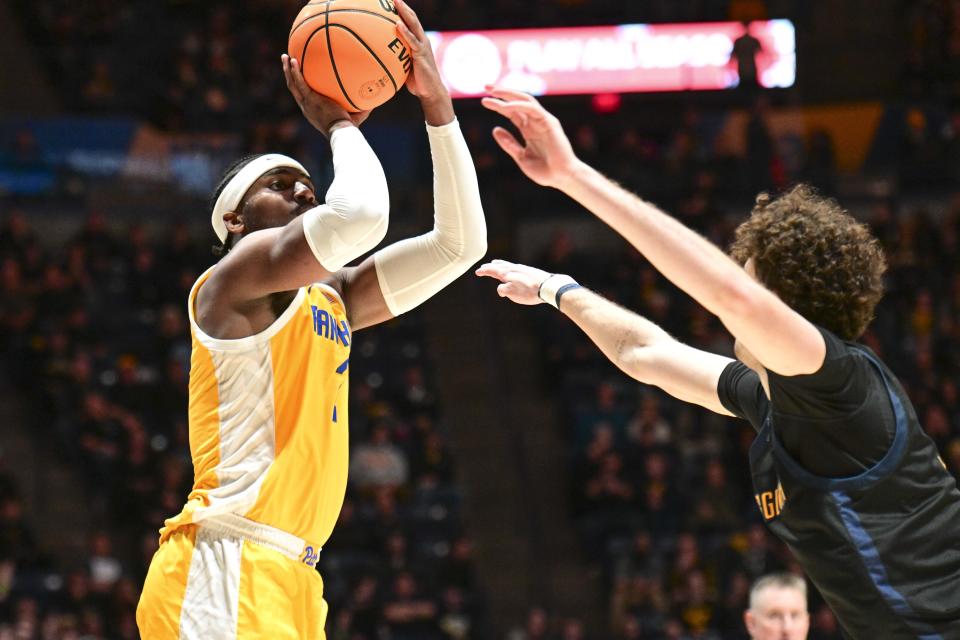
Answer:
(845, 475)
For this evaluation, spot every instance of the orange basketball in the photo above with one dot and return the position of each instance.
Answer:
(349, 51)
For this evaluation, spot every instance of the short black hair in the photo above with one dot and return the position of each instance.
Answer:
(229, 174)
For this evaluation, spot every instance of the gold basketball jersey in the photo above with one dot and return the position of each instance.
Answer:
(268, 419)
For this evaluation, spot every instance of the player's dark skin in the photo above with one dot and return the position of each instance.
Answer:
(258, 279)
(260, 276)
(276, 198)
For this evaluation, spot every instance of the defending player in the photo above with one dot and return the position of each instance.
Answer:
(842, 469)
(272, 324)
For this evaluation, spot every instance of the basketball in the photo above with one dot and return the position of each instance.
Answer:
(349, 51)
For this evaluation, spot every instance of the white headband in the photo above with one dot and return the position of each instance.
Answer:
(232, 194)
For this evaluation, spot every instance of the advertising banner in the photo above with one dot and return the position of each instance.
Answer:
(618, 59)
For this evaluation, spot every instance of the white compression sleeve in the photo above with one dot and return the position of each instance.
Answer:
(413, 270)
(355, 217)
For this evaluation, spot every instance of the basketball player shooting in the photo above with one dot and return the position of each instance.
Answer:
(842, 469)
(272, 324)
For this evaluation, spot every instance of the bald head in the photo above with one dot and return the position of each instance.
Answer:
(778, 608)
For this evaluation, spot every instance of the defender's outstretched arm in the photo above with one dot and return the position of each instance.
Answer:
(778, 336)
(637, 346)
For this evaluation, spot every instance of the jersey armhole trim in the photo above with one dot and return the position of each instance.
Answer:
(890, 460)
(329, 289)
(245, 343)
(875, 569)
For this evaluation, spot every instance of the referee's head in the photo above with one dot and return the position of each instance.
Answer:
(778, 608)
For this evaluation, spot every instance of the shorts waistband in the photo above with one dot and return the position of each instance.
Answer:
(288, 544)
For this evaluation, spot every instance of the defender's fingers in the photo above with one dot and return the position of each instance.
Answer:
(531, 110)
(492, 271)
(493, 104)
(518, 119)
(486, 273)
(507, 142)
(505, 290)
(509, 94)
(520, 113)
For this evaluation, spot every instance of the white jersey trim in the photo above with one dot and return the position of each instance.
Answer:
(247, 430)
(211, 601)
(329, 289)
(239, 344)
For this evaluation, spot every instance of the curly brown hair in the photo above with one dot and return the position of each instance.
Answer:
(816, 257)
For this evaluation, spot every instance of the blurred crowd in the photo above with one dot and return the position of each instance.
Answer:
(95, 341)
(660, 492)
(932, 69)
(215, 70)
(214, 66)
(94, 336)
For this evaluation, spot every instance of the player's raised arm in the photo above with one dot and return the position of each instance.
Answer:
(289, 239)
(779, 337)
(637, 346)
(403, 275)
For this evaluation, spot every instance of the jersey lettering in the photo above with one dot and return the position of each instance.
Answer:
(325, 326)
(771, 502)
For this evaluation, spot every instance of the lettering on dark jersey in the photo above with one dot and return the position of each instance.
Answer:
(771, 502)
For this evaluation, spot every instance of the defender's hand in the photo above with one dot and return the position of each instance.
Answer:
(520, 283)
(319, 110)
(547, 157)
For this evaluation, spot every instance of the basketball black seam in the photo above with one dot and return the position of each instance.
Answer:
(371, 13)
(317, 15)
(367, 47)
(303, 54)
(333, 63)
(304, 21)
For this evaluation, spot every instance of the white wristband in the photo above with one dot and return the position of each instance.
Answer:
(554, 287)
